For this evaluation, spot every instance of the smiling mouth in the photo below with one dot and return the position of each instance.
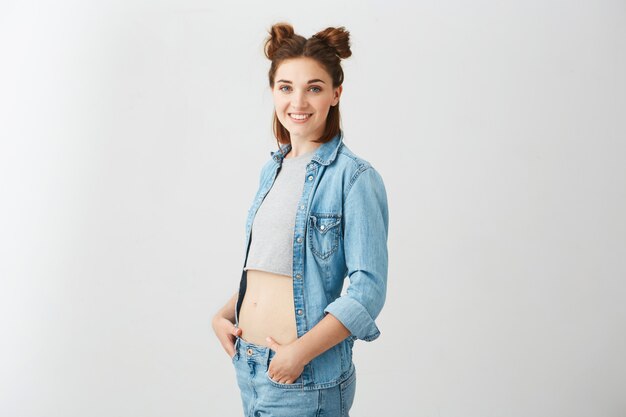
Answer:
(300, 116)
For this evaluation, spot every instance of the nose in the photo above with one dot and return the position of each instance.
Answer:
(298, 100)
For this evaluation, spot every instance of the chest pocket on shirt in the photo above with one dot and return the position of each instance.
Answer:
(324, 233)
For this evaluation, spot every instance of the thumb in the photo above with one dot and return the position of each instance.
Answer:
(272, 343)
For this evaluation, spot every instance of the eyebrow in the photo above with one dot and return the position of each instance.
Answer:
(310, 81)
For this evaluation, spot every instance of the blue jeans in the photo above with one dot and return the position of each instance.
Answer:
(263, 397)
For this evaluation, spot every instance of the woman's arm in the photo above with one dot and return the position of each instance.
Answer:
(366, 225)
(325, 334)
(228, 311)
(223, 325)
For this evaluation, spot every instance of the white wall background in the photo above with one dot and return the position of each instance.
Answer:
(131, 136)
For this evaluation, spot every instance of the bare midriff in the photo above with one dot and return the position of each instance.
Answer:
(267, 308)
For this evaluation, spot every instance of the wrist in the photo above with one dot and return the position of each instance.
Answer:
(301, 352)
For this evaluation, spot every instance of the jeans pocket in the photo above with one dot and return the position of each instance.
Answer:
(297, 384)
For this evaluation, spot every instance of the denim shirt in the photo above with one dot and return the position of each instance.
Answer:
(340, 230)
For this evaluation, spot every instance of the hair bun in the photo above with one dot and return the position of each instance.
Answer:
(337, 38)
(279, 33)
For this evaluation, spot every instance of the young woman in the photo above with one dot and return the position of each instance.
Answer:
(320, 214)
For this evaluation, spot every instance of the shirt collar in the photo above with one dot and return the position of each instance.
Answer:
(325, 153)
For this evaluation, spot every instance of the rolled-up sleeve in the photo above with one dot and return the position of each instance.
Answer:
(366, 221)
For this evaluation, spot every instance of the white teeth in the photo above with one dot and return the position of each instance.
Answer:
(300, 116)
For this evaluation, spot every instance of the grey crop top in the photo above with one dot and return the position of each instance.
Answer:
(271, 245)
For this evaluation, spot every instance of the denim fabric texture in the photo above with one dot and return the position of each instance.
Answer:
(261, 396)
(340, 231)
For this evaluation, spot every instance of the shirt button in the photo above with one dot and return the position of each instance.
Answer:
(298, 276)
(310, 177)
(249, 352)
(302, 207)
(322, 227)
(299, 312)
(299, 240)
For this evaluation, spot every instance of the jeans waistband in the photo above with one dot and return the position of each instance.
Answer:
(253, 352)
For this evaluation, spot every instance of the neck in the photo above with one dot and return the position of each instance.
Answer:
(300, 147)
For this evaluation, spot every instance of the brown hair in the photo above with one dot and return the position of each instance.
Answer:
(326, 47)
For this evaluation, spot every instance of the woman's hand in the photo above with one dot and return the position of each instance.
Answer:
(287, 363)
(226, 333)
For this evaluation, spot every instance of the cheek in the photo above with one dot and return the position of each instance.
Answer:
(324, 102)
(280, 103)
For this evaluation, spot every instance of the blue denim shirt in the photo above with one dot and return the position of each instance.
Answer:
(340, 230)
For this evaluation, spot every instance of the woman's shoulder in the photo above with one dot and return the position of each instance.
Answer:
(350, 161)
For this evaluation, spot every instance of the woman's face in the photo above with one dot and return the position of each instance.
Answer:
(303, 93)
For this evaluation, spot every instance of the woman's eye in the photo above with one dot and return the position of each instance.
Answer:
(285, 88)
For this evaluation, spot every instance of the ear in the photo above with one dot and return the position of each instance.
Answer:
(337, 94)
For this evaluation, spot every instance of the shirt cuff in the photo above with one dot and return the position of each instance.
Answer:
(355, 317)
